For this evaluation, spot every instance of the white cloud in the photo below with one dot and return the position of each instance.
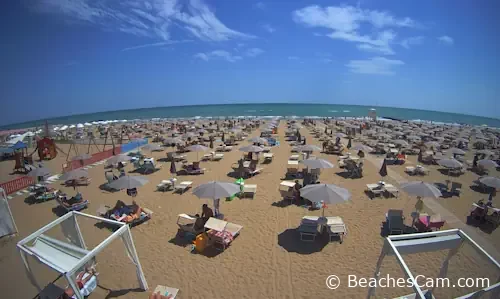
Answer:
(374, 66)
(220, 54)
(445, 39)
(412, 41)
(254, 52)
(268, 28)
(293, 58)
(345, 23)
(152, 19)
(260, 5)
(159, 44)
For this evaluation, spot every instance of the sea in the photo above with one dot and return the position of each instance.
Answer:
(264, 110)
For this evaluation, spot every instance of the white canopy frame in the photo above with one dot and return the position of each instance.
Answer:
(7, 223)
(69, 258)
(451, 240)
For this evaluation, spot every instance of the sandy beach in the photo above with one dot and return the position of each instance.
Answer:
(267, 260)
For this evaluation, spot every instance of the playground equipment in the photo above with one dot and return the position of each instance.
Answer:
(21, 157)
(46, 148)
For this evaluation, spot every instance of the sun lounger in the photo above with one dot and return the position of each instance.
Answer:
(222, 232)
(286, 189)
(186, 224)
(375, 189)
(391, 190)
(456, 188)
(74, 207)
(249, 189)
(294, 158)
(335, 227)
(79, 182)
(268, 157)
(168, 292)
(182, 186)
(146, 214)
(395, 221)
(254, 171)
(217, 157)
(308, 229)
(166, 184)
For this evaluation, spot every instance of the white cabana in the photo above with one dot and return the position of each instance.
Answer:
(452, 240)
(7, 224)
(68, 258)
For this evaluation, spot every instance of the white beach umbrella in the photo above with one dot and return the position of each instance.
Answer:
(456, 151)
(450, 163)
(309, 148)
(79, 126)
(128, 182)
(251, 149)
(421, 189)
(216, 190)
(72, 126)
(56, 129)
(63, 128)
(87, 124)
(491, 181)
(317, 163)
(326, 193)
(487, 163)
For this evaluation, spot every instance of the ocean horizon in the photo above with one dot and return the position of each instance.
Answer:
(261, 110)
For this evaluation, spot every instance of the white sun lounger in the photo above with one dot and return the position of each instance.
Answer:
(217, 157)
(375, 189)
(294, 157)
(268, 156)
(222, 226)
(255, 171)
(166, 184)
(335, 227)
(186, 223)
(183, 186)
(249, 189)
(308, 229)
(166, 291)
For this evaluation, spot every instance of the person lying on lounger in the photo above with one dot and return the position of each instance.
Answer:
(132, 212)
(81, 280)
(75, 200)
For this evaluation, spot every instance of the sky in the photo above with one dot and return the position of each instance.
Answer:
(61, 57)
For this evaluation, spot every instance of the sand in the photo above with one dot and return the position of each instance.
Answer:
(255, 265)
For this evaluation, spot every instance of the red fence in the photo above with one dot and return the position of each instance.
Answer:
(26, 181)
(17, 184)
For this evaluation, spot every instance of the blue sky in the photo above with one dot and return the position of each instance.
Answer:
(64, 57)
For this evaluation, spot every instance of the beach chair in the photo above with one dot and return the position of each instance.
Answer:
(217, 157)
(83, 204)
(249, 189)
(168, 292)
(186, 224)
(456, 188)
(78, 182)
(252, 172)
(308, 228)
(164, 185)
(222, 233)
(411, 170)
(286, 190)
(105, 212)
(268, 157)
(392, 190)
(375, 189)
(335, 227)
(395, 221)
(182, 186)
